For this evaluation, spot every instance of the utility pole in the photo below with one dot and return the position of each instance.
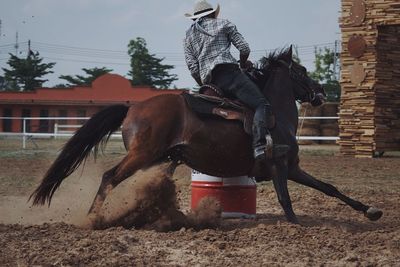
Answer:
(335, 60)
(16, 46)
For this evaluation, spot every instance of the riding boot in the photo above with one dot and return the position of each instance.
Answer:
(260, 132)
(262, 140)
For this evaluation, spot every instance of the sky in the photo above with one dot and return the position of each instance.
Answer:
(78, 34)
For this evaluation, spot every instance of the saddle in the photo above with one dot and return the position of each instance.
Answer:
(211, 102)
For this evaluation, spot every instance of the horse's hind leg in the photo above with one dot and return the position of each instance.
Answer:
(127, 167)
(111, 178)
(281, 188)
(306, 179)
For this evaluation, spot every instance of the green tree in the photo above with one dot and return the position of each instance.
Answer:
(325, 73)
(3, 84)
(79, 80)
(25, 74)
(147, 69)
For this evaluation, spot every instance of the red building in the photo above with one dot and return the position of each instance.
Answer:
(82, 101)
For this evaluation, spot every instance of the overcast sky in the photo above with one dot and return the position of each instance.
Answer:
(80, 34)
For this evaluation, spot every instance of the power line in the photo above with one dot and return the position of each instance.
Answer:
(83, 55)
(94, 52)
(87, 61)
(12, 45)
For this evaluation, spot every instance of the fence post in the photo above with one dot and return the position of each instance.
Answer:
(23, 133)
(55, 130)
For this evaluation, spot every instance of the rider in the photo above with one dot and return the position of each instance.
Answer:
(207, 53)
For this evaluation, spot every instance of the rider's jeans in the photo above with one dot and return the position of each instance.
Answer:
(230, 79)
(233, 82)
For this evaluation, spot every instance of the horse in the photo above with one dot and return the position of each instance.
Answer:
(164, 129)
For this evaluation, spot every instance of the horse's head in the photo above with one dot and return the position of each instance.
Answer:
(305, 89)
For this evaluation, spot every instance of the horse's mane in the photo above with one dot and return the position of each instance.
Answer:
(273, 57)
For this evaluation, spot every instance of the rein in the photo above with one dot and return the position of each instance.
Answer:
(301, 79)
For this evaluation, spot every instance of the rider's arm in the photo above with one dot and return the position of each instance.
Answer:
(192, 63)
(243, 61)
(239, 42)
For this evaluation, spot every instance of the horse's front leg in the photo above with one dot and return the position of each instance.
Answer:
(301, 177)
(281, 188)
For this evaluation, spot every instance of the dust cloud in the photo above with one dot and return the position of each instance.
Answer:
(146, 200)
(149, 201)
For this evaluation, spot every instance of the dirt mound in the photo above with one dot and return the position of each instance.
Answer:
(206, 215)
(151, 203)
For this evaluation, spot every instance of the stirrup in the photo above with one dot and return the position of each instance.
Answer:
(269, 147)
(262, 151)
(277, 151)
(259, 152)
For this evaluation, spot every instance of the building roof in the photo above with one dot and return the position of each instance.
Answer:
(107, 89)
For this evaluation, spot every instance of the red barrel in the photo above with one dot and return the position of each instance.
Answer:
(237, 195)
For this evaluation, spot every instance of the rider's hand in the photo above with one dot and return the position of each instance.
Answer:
(247, 65)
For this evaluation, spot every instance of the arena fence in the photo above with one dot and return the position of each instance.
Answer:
(64, 127)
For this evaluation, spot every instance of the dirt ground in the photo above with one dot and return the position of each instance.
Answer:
(330, 234)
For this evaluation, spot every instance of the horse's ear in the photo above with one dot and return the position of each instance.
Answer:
(290, 53)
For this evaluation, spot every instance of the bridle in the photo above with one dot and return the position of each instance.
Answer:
(302, 80)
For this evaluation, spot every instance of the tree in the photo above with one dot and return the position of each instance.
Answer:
(79, 80)
(25, 74)
(147, 69)
(3, 84)
(325, 73)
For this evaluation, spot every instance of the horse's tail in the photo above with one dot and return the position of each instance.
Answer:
(95, 131)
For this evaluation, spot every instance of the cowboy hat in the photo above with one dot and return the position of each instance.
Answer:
(201, 9)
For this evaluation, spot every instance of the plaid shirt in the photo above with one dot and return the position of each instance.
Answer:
(207, 44)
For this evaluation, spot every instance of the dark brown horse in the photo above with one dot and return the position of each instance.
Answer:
(164, 128)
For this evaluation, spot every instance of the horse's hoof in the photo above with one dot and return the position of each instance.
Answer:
(93, 222)
(373, 214)
(293, 220)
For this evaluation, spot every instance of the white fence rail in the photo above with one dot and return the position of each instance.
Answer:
(67, 130)
(56, 131)
(318, 138)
